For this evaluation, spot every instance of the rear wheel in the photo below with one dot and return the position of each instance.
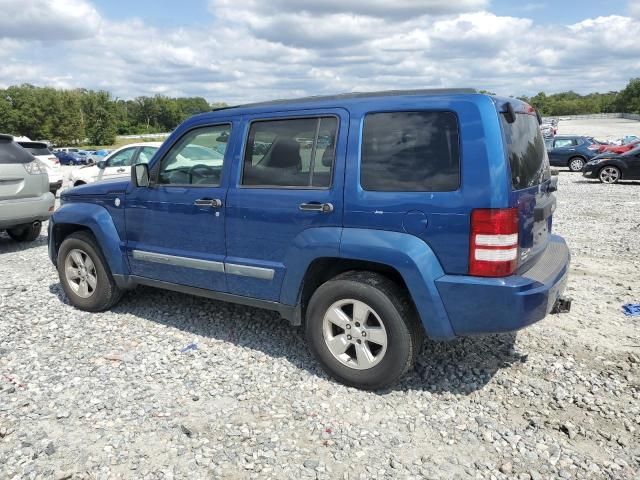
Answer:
(609, 174)
(576, 164)
(363, 330)
(85, 275)
(26, 234)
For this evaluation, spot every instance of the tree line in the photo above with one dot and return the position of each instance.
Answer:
(75, 117)
(572, 103)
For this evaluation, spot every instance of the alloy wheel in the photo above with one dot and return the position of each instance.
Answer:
(354, 334)
(609, 175)
(80, 273)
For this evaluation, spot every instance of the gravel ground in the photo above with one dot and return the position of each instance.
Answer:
(119, 395)
(609, 129)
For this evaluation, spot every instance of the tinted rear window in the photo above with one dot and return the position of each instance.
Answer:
(527, 153)
(11, 152)
(410, 151)
(35, 148)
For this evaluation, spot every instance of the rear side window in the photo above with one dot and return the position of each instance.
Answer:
(296, 152)
(11, 152)
(526, 151)
(410, 151)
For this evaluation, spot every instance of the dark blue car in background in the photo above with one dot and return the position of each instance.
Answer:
(369, 219)
(70, 158)
(572, 151)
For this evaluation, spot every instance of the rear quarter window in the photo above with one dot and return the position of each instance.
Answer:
(410, 151)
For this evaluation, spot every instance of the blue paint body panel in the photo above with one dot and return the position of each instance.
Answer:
(264, 243)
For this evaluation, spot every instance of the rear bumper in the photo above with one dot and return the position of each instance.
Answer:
(493, 305)
(26, 210)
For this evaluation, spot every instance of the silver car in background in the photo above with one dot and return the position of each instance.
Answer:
(25, 199)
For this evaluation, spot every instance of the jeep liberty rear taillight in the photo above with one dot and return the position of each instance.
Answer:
(493, 247)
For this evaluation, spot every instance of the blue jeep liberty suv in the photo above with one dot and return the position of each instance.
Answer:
(369, 219)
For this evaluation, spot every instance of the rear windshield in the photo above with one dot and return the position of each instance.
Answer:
(35, 148)
(11, 152)
(527, 153)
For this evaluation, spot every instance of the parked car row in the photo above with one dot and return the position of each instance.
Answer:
(608, 163)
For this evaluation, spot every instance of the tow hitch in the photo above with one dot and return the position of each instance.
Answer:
(562, 305)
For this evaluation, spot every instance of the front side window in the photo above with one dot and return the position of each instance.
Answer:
(122, 159)
(410, 151)
(197, 159)
(146, 153)
(290, 153)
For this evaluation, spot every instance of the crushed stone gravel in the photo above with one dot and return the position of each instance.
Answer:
(119, 395)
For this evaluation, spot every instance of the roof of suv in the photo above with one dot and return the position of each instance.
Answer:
(354, 95)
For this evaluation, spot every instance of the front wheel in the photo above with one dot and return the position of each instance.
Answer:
(576, 164)
(25, 234)
(609, 174)
(85, 275)
(363, 330)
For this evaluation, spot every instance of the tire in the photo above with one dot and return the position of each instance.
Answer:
(576, 163)
(101, 290)
(609, 174)
(390, 308)
(25, 234)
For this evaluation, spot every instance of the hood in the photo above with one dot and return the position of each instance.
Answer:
(106, 187)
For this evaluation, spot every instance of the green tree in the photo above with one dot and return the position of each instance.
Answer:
(98, 117)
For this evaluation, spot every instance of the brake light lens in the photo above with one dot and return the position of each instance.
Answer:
(494, 242)
(593, 146)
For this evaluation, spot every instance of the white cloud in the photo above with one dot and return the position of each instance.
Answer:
(634, 8)
(47, 19)
(252, 50)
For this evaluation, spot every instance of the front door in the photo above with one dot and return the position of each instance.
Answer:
(176, 227)
(119, 164)
(289, 183)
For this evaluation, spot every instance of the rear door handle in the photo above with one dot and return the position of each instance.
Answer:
(316, 207)
(208, 202)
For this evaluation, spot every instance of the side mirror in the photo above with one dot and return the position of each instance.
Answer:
(101, 164)
(140, 175)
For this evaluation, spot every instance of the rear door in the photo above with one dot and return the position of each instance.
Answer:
(290, 182)
(530, 178)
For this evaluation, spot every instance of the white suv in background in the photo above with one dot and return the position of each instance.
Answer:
(41, 151)
(115, 165)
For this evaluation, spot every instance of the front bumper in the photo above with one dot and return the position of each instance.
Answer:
(26, 210)
(478, 305)
(590, 171)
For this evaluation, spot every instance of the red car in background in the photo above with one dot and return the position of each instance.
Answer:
(619, 148)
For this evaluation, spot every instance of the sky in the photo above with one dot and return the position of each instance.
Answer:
(237, 51)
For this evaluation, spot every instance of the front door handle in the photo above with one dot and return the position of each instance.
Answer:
(316, 207)
(120, 170)
(208, 202)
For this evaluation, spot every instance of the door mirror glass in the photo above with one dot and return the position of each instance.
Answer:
(101, 164)
(140, 174)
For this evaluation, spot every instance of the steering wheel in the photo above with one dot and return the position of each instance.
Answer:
(199, 167)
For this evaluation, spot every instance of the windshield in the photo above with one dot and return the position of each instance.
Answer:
(526, 151)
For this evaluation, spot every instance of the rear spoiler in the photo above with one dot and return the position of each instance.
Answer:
(510, 114)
